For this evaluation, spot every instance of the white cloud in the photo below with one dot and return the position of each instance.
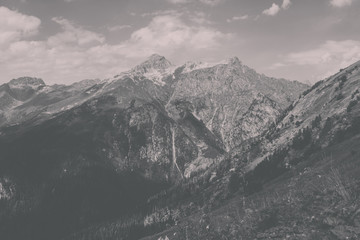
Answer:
(273, 10)
(76, 53)
(14, 26)
(326, 59)
(340, 52)
(237, 18)
(341, 3)
(207, 2)
(74, 35)
(118, 28)
(212, 2)
(277, 66)
(161, 13)
(169, 34)
(177, 1)
(286, 4)
(199, 17)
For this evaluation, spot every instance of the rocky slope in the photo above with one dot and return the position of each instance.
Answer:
(222, 94)
(322, 112)
(298, 180)
(95, 150)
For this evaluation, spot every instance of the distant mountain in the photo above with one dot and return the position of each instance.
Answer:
(74, 156)
(27, 98)
(19, 90)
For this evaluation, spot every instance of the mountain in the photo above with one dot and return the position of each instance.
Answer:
(220, 102)
(221, 95)
(75, 156)
(297, 180)
(27, 98)
(322, 113)
(154, 68)
(19, 90)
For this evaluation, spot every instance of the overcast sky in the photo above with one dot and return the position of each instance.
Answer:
(63, 41)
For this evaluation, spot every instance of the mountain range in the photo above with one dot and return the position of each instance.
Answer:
(151, 148)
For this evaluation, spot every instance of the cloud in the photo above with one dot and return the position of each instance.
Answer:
(277, 66)
(74, 35)
(161, 13)
(273, 10)
(326, 58)
(207, 2)
(177, 1)
(197, 17)
(14, 26)
(237, 18)
(118, 28)
(286, 4)
(76, 53)
(212, 2)
(169, 34)
(341, 3)
(342, 52)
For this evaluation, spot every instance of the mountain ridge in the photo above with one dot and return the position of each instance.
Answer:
(156, 126)
(272, 185)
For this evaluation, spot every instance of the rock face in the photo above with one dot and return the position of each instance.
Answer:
(221, 96)
(155, 62)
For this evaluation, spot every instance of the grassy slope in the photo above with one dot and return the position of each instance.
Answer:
(317, 199)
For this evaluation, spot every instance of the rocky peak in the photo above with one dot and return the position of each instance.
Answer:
(235, 64)
(155, 68)
(24, 88)
(27, 82)
(154, 62)
(156, 58)
(234, 61)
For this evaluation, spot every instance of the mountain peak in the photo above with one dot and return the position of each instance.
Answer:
(27, 82)
(155, 68)
(234, 61)
(156, 62)
(156, 57)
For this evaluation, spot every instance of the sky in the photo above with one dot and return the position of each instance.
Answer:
(64, 41)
